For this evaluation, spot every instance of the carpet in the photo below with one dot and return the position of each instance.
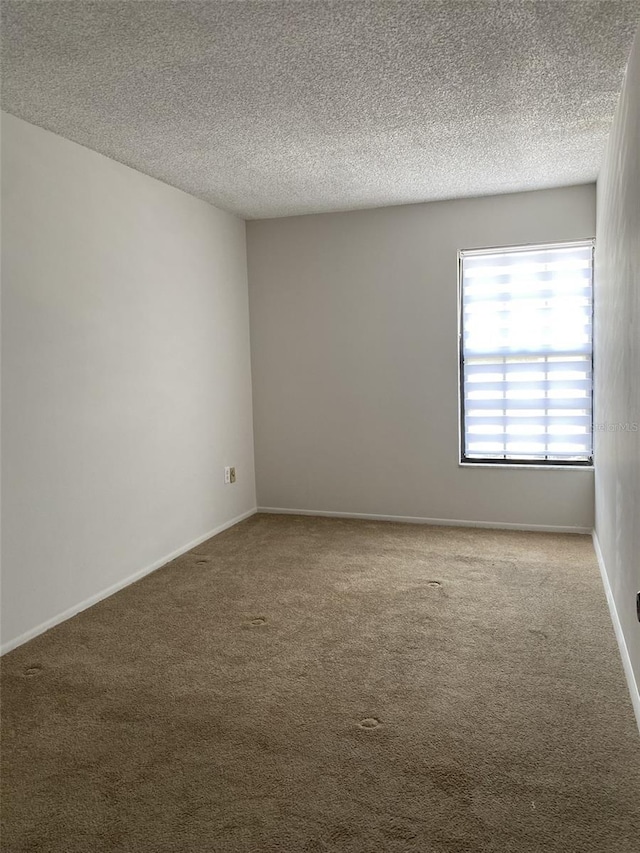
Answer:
(313, 684)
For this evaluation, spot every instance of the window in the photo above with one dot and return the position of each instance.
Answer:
(526, 359)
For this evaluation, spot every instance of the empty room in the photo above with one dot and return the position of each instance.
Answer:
(320, 426)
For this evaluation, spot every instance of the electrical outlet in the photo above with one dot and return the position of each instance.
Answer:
(227, 476)
(232, 475)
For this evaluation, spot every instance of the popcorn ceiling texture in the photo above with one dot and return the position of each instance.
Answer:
(275, 108)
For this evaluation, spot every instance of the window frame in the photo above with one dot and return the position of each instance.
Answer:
(465, 461)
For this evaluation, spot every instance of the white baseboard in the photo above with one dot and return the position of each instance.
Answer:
(442, 522)
(617, 627)
(116, 587)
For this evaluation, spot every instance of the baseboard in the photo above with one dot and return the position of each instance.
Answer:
(442, 522)
(116, 587)
(634, 692)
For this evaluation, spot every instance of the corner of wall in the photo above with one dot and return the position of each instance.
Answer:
(634, 689)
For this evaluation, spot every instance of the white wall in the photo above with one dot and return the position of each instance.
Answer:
(617, 365)
(126, 374)
(354, 352)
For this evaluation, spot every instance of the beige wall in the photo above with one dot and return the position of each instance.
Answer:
(617, 365)
(126, 375)
(355, 359)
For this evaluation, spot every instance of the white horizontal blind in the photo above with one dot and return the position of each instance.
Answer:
(526, 354)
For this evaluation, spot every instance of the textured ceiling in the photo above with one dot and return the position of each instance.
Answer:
(269, 108)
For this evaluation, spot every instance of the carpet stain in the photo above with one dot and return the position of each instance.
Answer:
(536, 633)
(369, 723)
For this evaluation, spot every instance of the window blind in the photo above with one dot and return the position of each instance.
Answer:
(526, 354)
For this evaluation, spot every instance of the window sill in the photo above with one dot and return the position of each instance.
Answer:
(522, 467)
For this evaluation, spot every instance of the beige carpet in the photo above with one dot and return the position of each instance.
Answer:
(313, 685)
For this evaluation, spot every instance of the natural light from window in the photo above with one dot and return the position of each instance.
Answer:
(526, 355)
